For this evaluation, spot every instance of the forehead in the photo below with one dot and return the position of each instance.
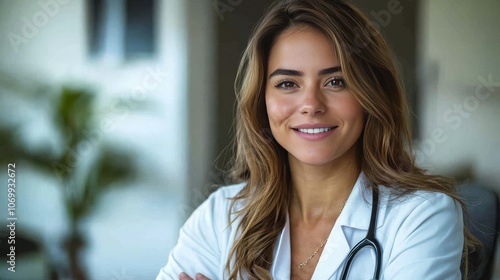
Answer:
(301, 48)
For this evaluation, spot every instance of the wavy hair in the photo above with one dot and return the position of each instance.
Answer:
(384, 150)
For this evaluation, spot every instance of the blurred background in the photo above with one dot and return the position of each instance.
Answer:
(118, 113)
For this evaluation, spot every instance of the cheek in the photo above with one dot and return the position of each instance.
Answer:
(350, 109)
(278, 110)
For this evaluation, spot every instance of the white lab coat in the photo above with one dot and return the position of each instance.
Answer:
(421, 237)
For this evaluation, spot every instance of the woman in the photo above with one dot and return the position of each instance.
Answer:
(322, 137)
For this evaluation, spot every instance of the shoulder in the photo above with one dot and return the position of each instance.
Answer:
(217, 206)
(222, 196)
(205, 238)
(227, 192)
(419, 209)
(421, 200)
(422, 235)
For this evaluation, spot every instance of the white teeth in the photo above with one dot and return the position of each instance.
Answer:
(315, 130)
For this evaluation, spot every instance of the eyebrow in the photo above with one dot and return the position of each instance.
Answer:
(289, 72)
(330, 70)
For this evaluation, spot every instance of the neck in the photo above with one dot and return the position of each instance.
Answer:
(320, 192)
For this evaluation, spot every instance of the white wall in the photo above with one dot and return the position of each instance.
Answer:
(459, 75)
(132, 229)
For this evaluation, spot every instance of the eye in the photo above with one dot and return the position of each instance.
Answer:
(285, 84)
(336, 83)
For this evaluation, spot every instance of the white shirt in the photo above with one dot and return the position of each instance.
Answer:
(421, 236)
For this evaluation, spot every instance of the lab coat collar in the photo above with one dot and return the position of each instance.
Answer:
(358, 208)
(355, 216)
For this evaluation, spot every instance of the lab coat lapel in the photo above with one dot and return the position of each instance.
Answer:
(350, 228)
(280, 268)
(334, 253)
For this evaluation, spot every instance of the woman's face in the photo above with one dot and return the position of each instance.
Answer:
(311, 113)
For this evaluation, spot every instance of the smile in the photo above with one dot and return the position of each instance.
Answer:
(315, 130)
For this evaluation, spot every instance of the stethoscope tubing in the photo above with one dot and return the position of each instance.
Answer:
(369, 241)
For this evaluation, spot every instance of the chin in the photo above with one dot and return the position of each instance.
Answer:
(314, 160)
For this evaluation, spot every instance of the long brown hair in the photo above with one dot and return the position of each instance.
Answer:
(384, 150)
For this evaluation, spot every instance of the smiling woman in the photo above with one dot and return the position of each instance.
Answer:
(307, 99)
(325, 165)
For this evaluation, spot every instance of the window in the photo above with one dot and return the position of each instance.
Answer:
(121, 29)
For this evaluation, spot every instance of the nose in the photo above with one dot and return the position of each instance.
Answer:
(313, 102)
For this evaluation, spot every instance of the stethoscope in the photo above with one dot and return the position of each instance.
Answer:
(369, 241)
